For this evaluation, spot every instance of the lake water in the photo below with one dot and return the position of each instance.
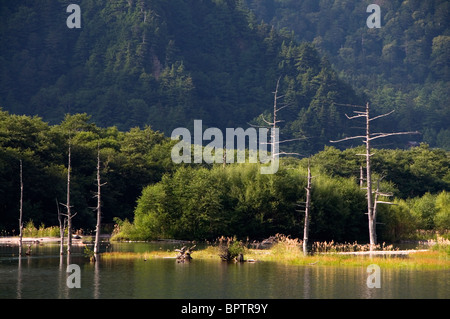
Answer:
(43, 275)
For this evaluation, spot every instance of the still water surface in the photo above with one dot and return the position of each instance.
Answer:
(43, 275)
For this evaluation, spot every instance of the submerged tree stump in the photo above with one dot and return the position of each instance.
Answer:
(28, 253)
(184, 255)
(232, 251)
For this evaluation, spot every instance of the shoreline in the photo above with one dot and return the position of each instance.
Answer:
(382, 252)
(36, 240)
(414, 258)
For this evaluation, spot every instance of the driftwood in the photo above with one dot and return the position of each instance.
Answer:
(28, 252)
(184, 254)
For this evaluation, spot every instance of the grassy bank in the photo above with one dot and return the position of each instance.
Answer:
(421, 260)
(289, 251)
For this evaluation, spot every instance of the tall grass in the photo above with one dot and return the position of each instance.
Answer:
(441, 244)
(31, 231)
(289, 251)
(291, 245)
(326, 247)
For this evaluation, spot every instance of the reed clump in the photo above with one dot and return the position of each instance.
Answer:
(30, 230)
(286, 245)
(440, 244)
(287, 250)
(333, 247)
(290, 250)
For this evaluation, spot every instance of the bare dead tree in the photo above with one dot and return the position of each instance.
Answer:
(69, 215)
(367, 138)
(361, 177)
(274, 142)
(62, 228)
(307, 213)
(21, 210)
(305, 207)
(98, 208)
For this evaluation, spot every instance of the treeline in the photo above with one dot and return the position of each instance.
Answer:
(151, 197)
(129, 161)
(202, 203)
(236, 200)
(403, 65)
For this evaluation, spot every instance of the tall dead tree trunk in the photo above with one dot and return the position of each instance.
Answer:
(367, 138)
(98, 208)
(69, 215)
(370, 211)
(274, 141)
(361, 177)
(21, 210)
(307, 214)
(62, 229)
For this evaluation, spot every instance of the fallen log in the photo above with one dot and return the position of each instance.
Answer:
(184, 255)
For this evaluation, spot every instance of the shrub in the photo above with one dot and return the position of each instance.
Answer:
(231, 250)
(124, 230)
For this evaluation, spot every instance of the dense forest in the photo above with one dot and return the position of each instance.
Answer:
(404, 65)
(130, 161)
(166, 63)
(137, 69)
(161, 63)
(193, 201)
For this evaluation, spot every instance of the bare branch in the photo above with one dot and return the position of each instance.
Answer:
(382, 202)
(385, 194)
(380, 135)
(282, 107)
(376, 117)
(354, 117)
(348, 138)
(366, 154)
(285, 153)
(269, 123)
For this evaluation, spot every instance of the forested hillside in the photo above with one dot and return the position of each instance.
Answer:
(130, 161)
(163, 64)
(137, 69)
(404, 65)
